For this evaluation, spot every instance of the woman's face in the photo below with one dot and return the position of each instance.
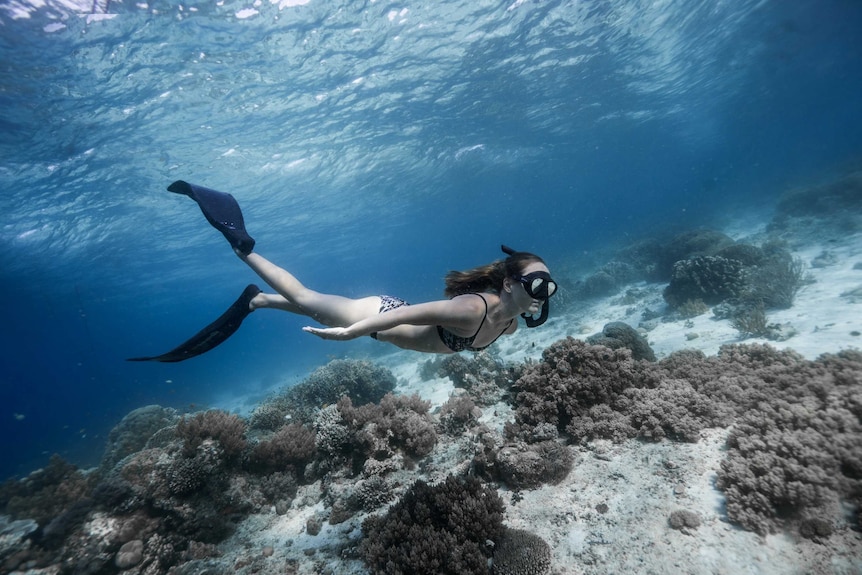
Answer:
(528, 304)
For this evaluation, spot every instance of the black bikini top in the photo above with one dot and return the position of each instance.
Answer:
(457, 343)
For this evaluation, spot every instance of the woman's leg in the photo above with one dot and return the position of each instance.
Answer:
(330, 310)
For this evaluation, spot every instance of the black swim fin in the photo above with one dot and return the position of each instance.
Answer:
(221, 210)
(213, 334)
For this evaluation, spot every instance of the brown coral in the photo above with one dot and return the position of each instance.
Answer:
(226, 428)
(292, 445)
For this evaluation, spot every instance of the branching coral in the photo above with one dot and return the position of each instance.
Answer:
(776, 281)
(226, 428)
(572, 378)
(292, 445)
(435, 530)
(794, 457)
(459, 413)
(397, 422)
(484, 377)
(750, 321)
(793, 453)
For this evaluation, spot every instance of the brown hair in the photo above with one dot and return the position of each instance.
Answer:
(488, 277)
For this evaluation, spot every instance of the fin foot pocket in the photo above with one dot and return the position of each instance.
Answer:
(221, 210)
(212, 335)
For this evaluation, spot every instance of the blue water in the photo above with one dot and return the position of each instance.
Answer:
(373, 146)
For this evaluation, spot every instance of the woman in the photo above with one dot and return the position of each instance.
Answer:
(484, 302)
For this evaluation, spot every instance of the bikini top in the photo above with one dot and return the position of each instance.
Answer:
(457, 343)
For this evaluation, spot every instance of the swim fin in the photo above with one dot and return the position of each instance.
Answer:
(221, 210)
(212, 335)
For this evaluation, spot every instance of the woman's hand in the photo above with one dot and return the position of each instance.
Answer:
(334, 333)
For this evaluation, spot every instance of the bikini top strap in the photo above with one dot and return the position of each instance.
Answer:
(484, 317)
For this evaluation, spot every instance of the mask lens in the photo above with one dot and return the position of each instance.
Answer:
(539, 287)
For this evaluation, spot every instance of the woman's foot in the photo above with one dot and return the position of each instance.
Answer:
(221, 211)
(258, 301)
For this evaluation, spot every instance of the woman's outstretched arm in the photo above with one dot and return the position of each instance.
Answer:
(457, 312)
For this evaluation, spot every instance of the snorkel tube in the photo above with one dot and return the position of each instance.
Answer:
(529, 319)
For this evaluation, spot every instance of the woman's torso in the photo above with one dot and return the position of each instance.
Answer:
(484, 331)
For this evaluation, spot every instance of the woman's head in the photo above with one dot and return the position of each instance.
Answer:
(491, 277)
(518, 262)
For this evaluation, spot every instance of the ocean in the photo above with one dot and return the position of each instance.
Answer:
(373, 147)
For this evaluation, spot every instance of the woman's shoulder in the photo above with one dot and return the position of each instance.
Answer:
(479, 300)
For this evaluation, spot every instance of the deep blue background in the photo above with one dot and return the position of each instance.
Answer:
(374, 147)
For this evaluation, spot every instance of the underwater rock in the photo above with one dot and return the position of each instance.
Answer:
(130, 554)
(618, 334)
(523, 466)
(14, 535)
(824, 259)
(134, 430)
(815, 528)
(683, 520)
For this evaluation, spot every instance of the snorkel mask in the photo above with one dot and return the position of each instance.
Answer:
(538, 285)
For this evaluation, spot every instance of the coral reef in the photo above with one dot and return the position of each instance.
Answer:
(397, 422)
(689, 245)
(134, 431)
(607, 280)
(795, 457)
(572, 378)
(711, 279)
(435, 530)
(797, 438)
(458, 414)
(165, 502)
(485, 378)
(45, 494)
(837, 202)
(362, 381)
(291, 446)
(225, 428)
